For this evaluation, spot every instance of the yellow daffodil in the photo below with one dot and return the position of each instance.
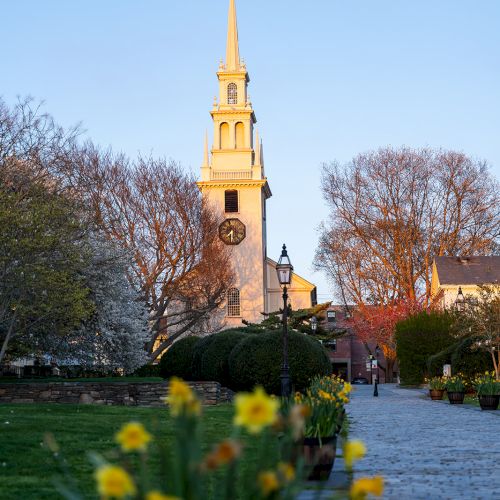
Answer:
(286, 472)
(255, 410)
(181, 398)
(353, 451)
(268, 482)
(347, 387)
(158, 495)
(133, 437)
(367, 486)
(114, 482)
(324, 394)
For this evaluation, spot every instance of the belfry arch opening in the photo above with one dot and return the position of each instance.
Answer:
(240, 135)
(224, 135)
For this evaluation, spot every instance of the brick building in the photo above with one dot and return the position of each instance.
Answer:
(349, 355)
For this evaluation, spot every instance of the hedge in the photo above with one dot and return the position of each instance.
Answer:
(418, 338)
(177, 360)
(214, 363)
(198, 350)
(257, 360)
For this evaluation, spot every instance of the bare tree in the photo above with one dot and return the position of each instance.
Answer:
(393, 210)
(33, 148)
(155, 211)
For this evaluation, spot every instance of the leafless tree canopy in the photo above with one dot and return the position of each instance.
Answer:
(393, 210)
(33, 148)
(154, 210)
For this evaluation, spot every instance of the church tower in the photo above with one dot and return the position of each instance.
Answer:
(232, 178)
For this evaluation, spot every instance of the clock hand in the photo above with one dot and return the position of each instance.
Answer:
(230, 235)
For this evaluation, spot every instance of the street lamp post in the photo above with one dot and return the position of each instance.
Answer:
(314, 324)
(375, 389)
(460, 300)
(284, 269)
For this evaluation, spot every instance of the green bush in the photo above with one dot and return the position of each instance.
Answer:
(148, 370)
(198, 350)
(214, 363)
(419, 337)
(257, 360)
(178, 359)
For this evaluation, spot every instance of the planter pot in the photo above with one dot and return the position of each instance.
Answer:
(436, 394)
(319, 458)
(489, 402)
(456, 398)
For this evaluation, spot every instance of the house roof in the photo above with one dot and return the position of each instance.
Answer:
(296, 277)
(468, 270)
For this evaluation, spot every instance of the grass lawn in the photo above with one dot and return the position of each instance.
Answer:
(27, 469)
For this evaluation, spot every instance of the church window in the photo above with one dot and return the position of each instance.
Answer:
(224, 136)
(240, 135)
(233, 302)
(232, 94)
(231, 201)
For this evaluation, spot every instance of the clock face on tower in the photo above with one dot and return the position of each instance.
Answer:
(232, 231)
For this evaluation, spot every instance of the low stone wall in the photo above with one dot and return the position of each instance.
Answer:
(112, 393)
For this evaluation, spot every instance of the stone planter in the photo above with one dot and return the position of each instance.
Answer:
(319, 458)
(489, 402)
(436, 394)
(456, 398)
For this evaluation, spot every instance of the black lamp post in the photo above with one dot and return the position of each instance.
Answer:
(284, 269)
(314, 324)
(460, 300)
(375, 389)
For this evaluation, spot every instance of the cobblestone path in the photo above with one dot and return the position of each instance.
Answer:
(426, 449)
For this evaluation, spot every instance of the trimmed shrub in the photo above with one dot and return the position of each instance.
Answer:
(148, 370)
(178, 359)
(198, 350)
(418, 338)
(257, 360)
(214, 363)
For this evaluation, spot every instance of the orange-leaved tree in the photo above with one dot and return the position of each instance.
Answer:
(377, 323)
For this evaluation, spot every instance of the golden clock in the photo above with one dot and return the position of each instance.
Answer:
(232, 231)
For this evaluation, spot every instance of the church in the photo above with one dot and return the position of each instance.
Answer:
(234, 181)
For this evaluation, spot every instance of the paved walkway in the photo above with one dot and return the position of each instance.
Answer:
(426, 449)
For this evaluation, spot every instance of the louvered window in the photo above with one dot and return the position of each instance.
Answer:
(231, 201)
(232, 94)
(233, 302)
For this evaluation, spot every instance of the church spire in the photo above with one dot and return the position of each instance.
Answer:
(205, 151)
(232, 49)
(257, 149)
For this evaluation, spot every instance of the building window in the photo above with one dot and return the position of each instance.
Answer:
(231, 201)
(331, 316)
(233, 302)
(232, 94)
(331, 345)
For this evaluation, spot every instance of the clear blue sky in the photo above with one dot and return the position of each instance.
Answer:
(330, 79)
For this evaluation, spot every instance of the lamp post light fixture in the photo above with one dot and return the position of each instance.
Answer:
(284, 269)
(460, 300)
(375, 389)
(314, 324)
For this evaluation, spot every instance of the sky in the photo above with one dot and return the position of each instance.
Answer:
(329, 79)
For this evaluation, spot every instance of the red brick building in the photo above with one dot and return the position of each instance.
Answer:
(349, 355)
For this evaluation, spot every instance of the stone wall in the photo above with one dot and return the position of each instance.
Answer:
(112, 393)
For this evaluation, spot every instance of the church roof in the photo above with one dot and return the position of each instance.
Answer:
(475, 270)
